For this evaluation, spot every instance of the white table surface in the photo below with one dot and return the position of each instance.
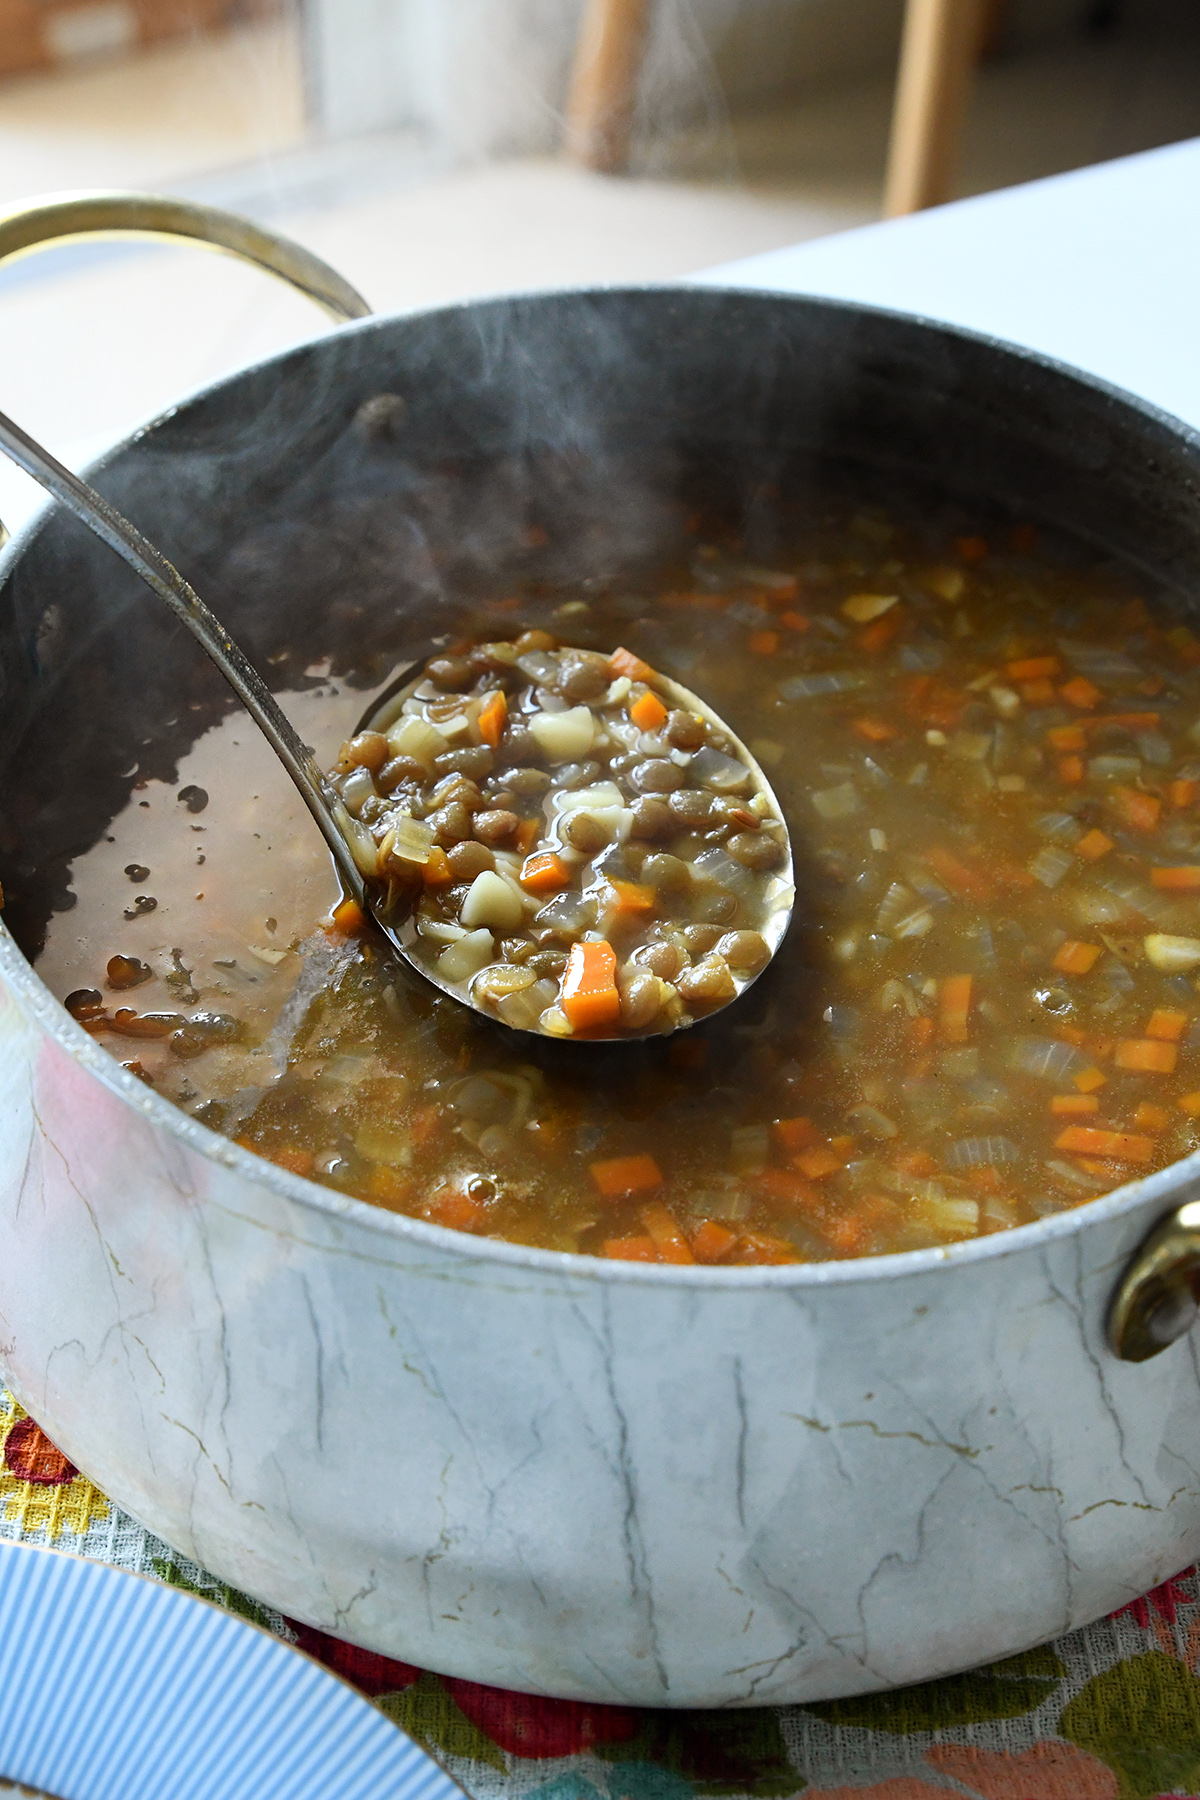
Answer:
(1100, 268)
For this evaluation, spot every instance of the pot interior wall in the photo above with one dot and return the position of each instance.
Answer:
(555, 439)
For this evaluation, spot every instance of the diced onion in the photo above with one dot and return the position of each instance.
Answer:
(970, 746)
(837, 802)
(1115, 768)
(1050, 865)
(712, 768)
(862, 608)
(1047, 1058)
(974, 1153)
(808, 687)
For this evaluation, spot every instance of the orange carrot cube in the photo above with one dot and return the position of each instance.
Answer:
(1073, 958)
(619, 1176)
(1137, 810)
(818, 1162)
(1148, 1055)
(1093, 845)
(1067, 737)
(493, 717)
(954, 1008)
(1183, 793)
(589, 994)
(1033, 668)
(347, 918)
(624, 662)
(712, 1241)
(1121, 1146)
(1151, 1118)
(631, 1249)
(1185, 880)
(764, 643)
(794, 1135)
(1167, 1023)
(1080, 692)
(648, 712)
(1088, 1080)
(1074, 1103)
(544, 874)
(669, 1241)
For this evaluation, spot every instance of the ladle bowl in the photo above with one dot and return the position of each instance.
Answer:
(350, 844)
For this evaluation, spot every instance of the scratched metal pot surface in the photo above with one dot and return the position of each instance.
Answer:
(667, 1486)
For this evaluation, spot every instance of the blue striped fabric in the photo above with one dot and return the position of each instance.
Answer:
(113, 1687)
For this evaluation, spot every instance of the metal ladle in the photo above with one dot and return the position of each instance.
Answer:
(322, 801)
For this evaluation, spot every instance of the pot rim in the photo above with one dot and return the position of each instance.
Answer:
(1132, 1197)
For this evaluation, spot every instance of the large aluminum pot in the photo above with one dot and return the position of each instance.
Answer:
(667, 1486)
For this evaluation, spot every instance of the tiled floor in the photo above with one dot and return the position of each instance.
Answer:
(87, 347)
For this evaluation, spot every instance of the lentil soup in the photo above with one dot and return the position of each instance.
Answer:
(987, 749)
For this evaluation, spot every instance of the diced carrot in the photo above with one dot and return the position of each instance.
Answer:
(528, 833)
(648, 712)
(712, 1241)
(876, 731)
(879, 634)
(954, 1008)
(347, 918)
(920, 1030)
(669, 1241)
(1074, 958)
(437, 871)
(388, 1184)
(849, 1234)
(1070, 1034)
(1070, 770)
(1185, 880)
(794, 621)
(1166, 1023)
(624, 662)
(971, 549)
(1033, 668)
(630, 1249)
(545, 874)
(915, 1162)
(764, 643)
(1122, 1146)
(1143, 721)
(589, 994)
(1074, 1103)
(1190, 1104)
(1151, 1118)
(972, 884)
(297, 1162)
(493, 717)
(449, 1206)
(632, 899)
(1080, 692)
(793, 1135)
(620, 1176)
(1093, 845)
(1148, 1055)
(786, 1188)
(782, 591)
(1036, 693)
(1067, 737)
(758, 1247)
(1183, 793)
(818, 1162)
(1088, 1080)
(1137, 810)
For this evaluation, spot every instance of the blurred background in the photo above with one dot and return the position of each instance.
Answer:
(421, 147)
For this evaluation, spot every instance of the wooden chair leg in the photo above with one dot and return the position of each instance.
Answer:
(937, 60)
(608, 61)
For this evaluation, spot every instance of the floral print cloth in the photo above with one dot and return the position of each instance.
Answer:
(1109, 1713)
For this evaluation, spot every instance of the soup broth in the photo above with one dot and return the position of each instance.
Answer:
(987, 750)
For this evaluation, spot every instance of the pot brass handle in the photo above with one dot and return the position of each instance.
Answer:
(1159, 1296)
(51, 218)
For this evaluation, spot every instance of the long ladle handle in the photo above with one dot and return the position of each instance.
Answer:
(116, 531)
